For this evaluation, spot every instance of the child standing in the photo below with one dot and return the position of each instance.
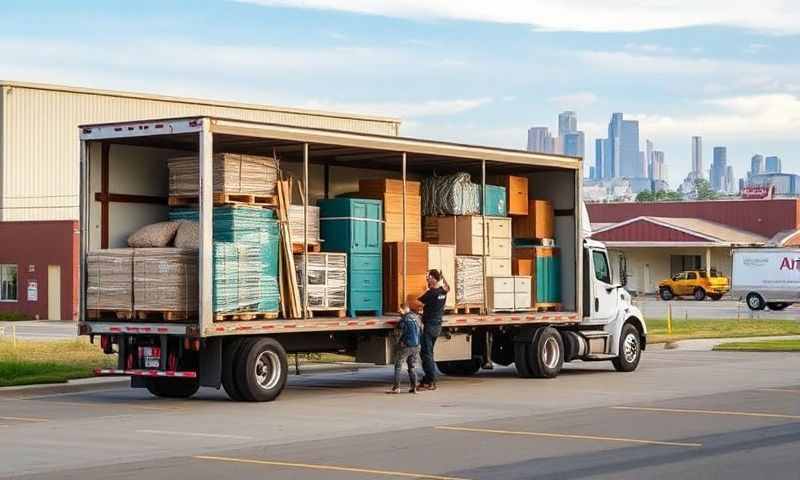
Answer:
(408, 329)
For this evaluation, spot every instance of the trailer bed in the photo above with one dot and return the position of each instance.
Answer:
(323, 324)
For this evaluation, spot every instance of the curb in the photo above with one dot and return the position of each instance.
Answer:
(71, 386)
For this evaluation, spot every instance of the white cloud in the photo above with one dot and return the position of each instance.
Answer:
(427, 108)
(765, 117)
(577, 15)
(649, 48)
(574, 100)
(755, 48)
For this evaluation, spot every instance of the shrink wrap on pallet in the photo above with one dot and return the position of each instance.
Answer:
(165, 279)
(450, 195)
(233, 173)
(109, 277)
(327, 280)
(296, 224)
(469, 279)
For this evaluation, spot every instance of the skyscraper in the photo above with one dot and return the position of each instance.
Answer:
(730, 180)
(697, 157)
(613, 147)
(756, 165)
(567, 123)
(540, 140)
(773, 165)
(629, 150)
(600, 149)
(659, 169)
(573, 144)
(644, 170)
(719, 168)
(648, 157)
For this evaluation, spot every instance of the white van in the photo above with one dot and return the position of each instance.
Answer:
(766, 277)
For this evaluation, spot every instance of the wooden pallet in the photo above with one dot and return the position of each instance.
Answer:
(164, 315)
(466, 308)
(312, 247)
(546, 307)
(244, 316)
(328, 312)
(265, 201)
(110, 314)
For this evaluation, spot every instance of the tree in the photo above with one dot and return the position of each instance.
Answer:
(703, 190)
(645, 196)
(659, 196)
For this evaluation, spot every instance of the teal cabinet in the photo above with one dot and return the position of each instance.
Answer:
(496, 201)
(353, 226)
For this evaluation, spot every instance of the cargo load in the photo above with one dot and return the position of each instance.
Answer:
(109, 277)
(165, 280)
(450, 195)
(233, 173)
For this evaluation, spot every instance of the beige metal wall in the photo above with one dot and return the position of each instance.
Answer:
(39, 163)
(657, 262)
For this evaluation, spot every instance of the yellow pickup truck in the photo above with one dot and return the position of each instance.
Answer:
(695, 283)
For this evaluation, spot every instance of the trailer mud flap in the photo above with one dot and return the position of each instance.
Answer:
(210, 364)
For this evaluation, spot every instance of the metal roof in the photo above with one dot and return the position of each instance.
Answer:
(713, 233)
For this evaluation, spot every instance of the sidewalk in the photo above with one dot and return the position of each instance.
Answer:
(708, 344)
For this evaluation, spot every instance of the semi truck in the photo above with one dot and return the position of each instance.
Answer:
(766, 277)
(595, 321)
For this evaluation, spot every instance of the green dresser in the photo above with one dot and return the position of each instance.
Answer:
(548, 277)
(353, 226)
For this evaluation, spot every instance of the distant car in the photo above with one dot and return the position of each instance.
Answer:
(694, 283)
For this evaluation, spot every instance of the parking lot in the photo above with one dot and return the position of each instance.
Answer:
(682, 414)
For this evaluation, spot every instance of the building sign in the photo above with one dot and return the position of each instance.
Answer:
(755, 192)
(33, 291)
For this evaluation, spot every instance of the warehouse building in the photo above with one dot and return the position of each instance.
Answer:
(39, 178)
(660, 239)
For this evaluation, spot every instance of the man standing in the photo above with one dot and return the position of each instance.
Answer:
(433, 301)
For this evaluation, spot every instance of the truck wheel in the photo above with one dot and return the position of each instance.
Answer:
(521, 360)
(630, 349)
(460, 368)
(715, 297)
(262, 370)
(666, 294)
(755, 301)
(777, 306)
(546, 354)
(172, 387)
(230, 353)
(503, 352)
(699, 294)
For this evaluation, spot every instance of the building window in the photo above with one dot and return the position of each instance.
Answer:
(8, 283)
(682, 263)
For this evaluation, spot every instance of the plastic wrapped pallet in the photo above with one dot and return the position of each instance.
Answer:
(296, 224)
(109, 279)
(327, 280)
(450, 195)
(233, 173)
(246, 243)
(469, 279)
(165, 279)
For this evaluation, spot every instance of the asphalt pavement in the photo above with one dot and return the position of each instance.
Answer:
(683, 414)
(708, 309)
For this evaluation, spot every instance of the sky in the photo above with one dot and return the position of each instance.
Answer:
(470, 71)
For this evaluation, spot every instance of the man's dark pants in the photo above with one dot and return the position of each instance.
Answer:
(429, 335)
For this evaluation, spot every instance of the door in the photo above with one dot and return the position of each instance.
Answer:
(687, 286)
(604, 294)
(646, 287)
(54, 292)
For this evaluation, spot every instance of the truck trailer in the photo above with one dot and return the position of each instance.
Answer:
(766, 277)
(595, 319)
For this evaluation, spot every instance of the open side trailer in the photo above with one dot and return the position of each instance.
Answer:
(249, 358)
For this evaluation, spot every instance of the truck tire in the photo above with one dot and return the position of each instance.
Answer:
(230, 352)
(715, 296)
(521, 359)
(546, 354)
(699, 294)
(630, 349)
(666, 294)
(503, 351)
(460, 368)
(261, 370)
(777, 306)
(172, 387)
(755, 301)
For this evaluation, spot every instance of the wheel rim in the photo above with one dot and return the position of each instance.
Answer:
(267, 370)
(550, 353)
(630, 348)
(754, 301)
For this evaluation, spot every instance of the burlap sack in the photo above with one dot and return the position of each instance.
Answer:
(188, 235)
(158, 234)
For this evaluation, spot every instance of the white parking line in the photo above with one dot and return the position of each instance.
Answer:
(195, 434)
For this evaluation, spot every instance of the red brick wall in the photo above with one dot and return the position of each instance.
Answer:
(765, 217)
(32, 246)
(643, 231)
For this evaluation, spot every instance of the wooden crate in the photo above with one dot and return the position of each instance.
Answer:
(538, 223)
(467, 232)
(443, 258)
(388, 185)
(393, 267)
(516, 192)
(430, 229)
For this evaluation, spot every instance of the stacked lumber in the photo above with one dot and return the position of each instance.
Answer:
(296, 224)
(291, 303)
(469, 280)
(165, 279)
(390, 191)
(233, 173)
(108, 279)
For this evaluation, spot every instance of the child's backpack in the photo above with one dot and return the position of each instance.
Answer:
(409, 331)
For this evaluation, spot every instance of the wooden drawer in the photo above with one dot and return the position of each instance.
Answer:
(368, 263)
(499, 227)
(522, 266)
(522, 284)
(501, 284)
(359, 300)
(499, 247)
(501, 301)
(522, 301)
(498, 267)
(365, 281)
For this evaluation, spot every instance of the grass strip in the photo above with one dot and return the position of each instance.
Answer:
(691, 329)
(34, 362)
(788, 345)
